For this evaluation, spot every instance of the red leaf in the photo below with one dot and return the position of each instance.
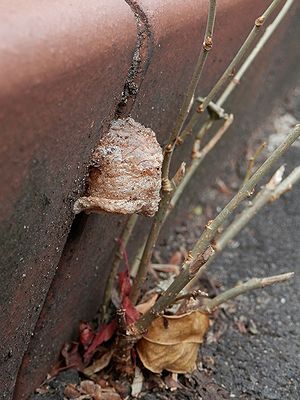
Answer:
(86, 334)
(124, 283)
(104, 334)
(131, 313)
(71, 355)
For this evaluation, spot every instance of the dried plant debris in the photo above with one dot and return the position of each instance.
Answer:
(172, 342)
(125, 176)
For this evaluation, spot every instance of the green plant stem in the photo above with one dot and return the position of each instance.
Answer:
(252, 284)
(166, 192)
(202, 249)
(226, 75)
(121, 245)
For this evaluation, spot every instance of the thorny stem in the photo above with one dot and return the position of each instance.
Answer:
(226, 75)
(268, 193)
(202, 250)
(251, 284)
(118, 255)
(168, 152)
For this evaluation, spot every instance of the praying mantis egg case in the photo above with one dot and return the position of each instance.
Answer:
(125, 174)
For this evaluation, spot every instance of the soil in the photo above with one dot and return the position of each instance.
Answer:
(253, 348)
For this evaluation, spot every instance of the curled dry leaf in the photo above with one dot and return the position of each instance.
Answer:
(125, 176)
(144, 307)
(71, 392)
(137, 383)
(172, 342)
(86, 334)
(176, 258)
(103, 335)
(98, 364)
(92, 389)
(72, 356)
(131, 313)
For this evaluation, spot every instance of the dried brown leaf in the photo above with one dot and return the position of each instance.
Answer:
(110, 394)
(91, 388)
(144, 307)
(166, 268)
(176, 258)
(223, 188)
(172, 382)
(42, 390)
(137, 383)
(276, 178)
(172, 342)
(71, 392)
(180, 358)
(98, 364)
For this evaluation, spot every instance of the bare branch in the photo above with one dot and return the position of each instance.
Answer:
(267, 194)
(232, 85)
(252, 159)
(202, 249)
(240, 54)
(166, 185)
(198, 160)
(252, 284)
(259, 46)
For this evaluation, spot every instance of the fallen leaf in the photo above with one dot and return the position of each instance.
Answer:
(223, 187)
(166, 268)
(86, 334)
(110, 394)
(137, 383)
(124, 283)
(42, 390)
(241, 324)
(172, 382)
(252, 328)
(131, 314)
(176, 258)
(98, 364)
(144, 307)
(72, 356)
(91, 388)
(172, 342)
(104, 334)
(71, 392)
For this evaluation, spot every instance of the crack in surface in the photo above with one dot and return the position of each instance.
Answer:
(140, 61)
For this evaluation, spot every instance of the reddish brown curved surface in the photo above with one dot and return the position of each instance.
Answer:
(62, 72)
